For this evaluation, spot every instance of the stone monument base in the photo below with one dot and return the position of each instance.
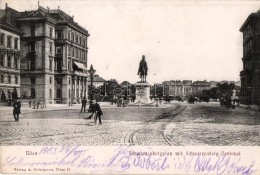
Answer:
(142, 93)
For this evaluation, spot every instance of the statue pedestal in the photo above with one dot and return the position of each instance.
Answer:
(142, 93)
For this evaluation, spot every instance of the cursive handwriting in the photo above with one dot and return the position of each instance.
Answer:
(74, 156)
(216, 165)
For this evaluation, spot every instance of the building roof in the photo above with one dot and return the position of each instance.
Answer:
(252, 15)
(55, 16)
(61, 17)
(97, 78)
(5, 22)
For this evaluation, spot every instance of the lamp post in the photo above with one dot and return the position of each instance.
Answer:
(91, 72)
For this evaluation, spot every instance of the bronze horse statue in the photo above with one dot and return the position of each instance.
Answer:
(143, 69)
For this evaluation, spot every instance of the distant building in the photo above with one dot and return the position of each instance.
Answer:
(250, 75)
(9, 57)
(97, 81)
(185, 87)
(53, 55)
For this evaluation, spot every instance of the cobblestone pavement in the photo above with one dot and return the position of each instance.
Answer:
(67, 126)
(210, 124)
(179, 124)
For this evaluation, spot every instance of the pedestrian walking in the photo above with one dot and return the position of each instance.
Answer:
(16, 110)
(248, 101)
(30, 103)
(92, 110)
(83, 104)
(38, 104)
(98, 112)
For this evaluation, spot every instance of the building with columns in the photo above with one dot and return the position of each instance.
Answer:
(53, 55)
(250, 75)
(184, 88)
(9, 57)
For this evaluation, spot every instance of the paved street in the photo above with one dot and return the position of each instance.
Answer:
(174, 124)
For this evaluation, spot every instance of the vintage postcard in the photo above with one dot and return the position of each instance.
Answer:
(129, 87)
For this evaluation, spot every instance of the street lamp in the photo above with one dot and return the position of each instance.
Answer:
(91, 72)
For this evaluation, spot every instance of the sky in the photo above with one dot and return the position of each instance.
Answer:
(181, 40)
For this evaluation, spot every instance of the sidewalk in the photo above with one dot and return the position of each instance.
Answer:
(8, 110)
(252, 107)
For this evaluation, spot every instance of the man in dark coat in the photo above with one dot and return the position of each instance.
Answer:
(16, 110)
(98, 113)
(83, 104)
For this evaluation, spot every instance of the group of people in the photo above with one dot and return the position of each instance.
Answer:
(94, 109)
(229, 102)
(36, 104)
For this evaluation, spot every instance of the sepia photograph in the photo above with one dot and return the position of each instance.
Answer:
(129, 87)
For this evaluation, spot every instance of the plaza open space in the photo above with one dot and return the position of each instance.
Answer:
(175, 123)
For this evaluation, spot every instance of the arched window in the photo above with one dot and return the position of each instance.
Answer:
(58, 94)
(33, 94)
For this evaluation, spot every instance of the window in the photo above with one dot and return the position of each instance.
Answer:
(2, 39)
(16, 43)
(69, 80)
(68, 64)
(73, 37)
(50, 93)
(16, 79)
(58, 80)
(76, 50)
(16, 62)
(59, 34)
(51, 31)
(33, 80)
(84, 42)
(59, 93)
(2, 56)
(68, 35)
(73, 51)
(32, 65)
(50, 47)
(33, 30)
(69, 50)
(2, 78)
(80, 40)
(9, 41)
(69, 93)
(50, 80)
(32, 46)
(9, 79)
(9, 59)
(50, 64)
(59, 65)
(58, 50)
(33, 94)
(77, 39)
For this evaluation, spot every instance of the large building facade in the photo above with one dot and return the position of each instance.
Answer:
(53, 55)
(9, 58)
(184, 88)
(250, 75)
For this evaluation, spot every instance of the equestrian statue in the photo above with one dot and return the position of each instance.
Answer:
(143, 69)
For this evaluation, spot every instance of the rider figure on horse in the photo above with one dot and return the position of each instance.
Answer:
(142, 71)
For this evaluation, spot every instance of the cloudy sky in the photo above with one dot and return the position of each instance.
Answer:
(190, 40)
